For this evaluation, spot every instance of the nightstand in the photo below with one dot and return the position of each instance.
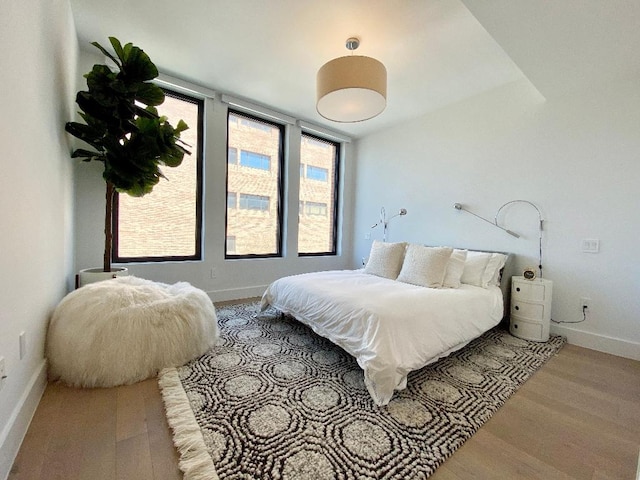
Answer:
(530, 308)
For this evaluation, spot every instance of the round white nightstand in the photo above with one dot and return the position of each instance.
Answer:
(530, 308)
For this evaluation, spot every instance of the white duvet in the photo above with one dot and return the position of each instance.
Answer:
(390, 327)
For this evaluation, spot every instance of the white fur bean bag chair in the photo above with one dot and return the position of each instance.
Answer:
(126, 329)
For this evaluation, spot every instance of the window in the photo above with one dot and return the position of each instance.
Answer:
(254, 202)
(258, 125)
(231, 244)
(317, 228)
(314, 208)
(255, 160)
(317, 173)
(232, 156)
(166, 224)
(255, 223)
(232, 199)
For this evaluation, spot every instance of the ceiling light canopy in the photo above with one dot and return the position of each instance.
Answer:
(352, 88)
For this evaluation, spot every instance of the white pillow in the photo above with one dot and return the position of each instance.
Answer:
(491, 274)
(424, 266)
(385, 259)
(454, 270)
(474, 267)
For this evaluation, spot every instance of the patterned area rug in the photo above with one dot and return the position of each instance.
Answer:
(275, 401)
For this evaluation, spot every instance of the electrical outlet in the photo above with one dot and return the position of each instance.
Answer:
(3, 372)
(584, 303)
(367, 236)
(213, 272)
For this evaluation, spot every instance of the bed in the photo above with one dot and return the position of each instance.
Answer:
(392, 316)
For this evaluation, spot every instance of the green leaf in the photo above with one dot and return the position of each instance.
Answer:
(117, 47)
(101, 48)
(137, 66)
(181, 127)
(173, 158)
(108, 115)
(150, 94)
(104, 86)
(148, 112)
(87, 155)
(86, 133)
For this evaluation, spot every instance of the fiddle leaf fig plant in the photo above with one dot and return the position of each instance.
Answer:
(123, 128)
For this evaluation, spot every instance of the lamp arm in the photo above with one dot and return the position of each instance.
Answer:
(540, 226)
(384, 221)
(459, 206)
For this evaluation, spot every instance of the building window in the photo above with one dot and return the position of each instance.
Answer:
(260, 146)
(317, 228)
(166, 224)
(232, 156)
(315, 208)
(317, 173)
(254, 202)
(232, 199)
(255, 160)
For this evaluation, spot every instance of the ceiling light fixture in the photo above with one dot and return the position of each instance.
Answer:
(351, 88)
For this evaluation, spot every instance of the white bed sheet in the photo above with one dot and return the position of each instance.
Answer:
(390, 327)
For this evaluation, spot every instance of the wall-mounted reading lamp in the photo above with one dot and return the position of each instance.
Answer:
(459, 206)
(384, 221)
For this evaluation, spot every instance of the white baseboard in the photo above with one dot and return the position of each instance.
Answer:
(15, 430)
(236, 293)
(601, 343)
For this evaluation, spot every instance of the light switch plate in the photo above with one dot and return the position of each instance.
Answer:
(590, 245)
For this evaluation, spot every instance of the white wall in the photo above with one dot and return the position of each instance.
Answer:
(577, 158)
(233, 278)
(37, 61)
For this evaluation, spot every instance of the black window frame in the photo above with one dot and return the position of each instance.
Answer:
(336, 195)
(280, 188)
(199, 152)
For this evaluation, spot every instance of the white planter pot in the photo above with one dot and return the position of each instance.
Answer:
(91, 275)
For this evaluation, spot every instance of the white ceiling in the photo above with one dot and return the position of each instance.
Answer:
(436, 51)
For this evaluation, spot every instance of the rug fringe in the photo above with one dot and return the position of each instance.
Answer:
(195, 461)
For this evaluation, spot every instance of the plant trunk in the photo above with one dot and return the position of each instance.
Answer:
(108, 227)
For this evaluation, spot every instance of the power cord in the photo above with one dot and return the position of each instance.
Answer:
(584, 316)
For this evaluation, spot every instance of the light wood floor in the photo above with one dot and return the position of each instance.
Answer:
(578, 417)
